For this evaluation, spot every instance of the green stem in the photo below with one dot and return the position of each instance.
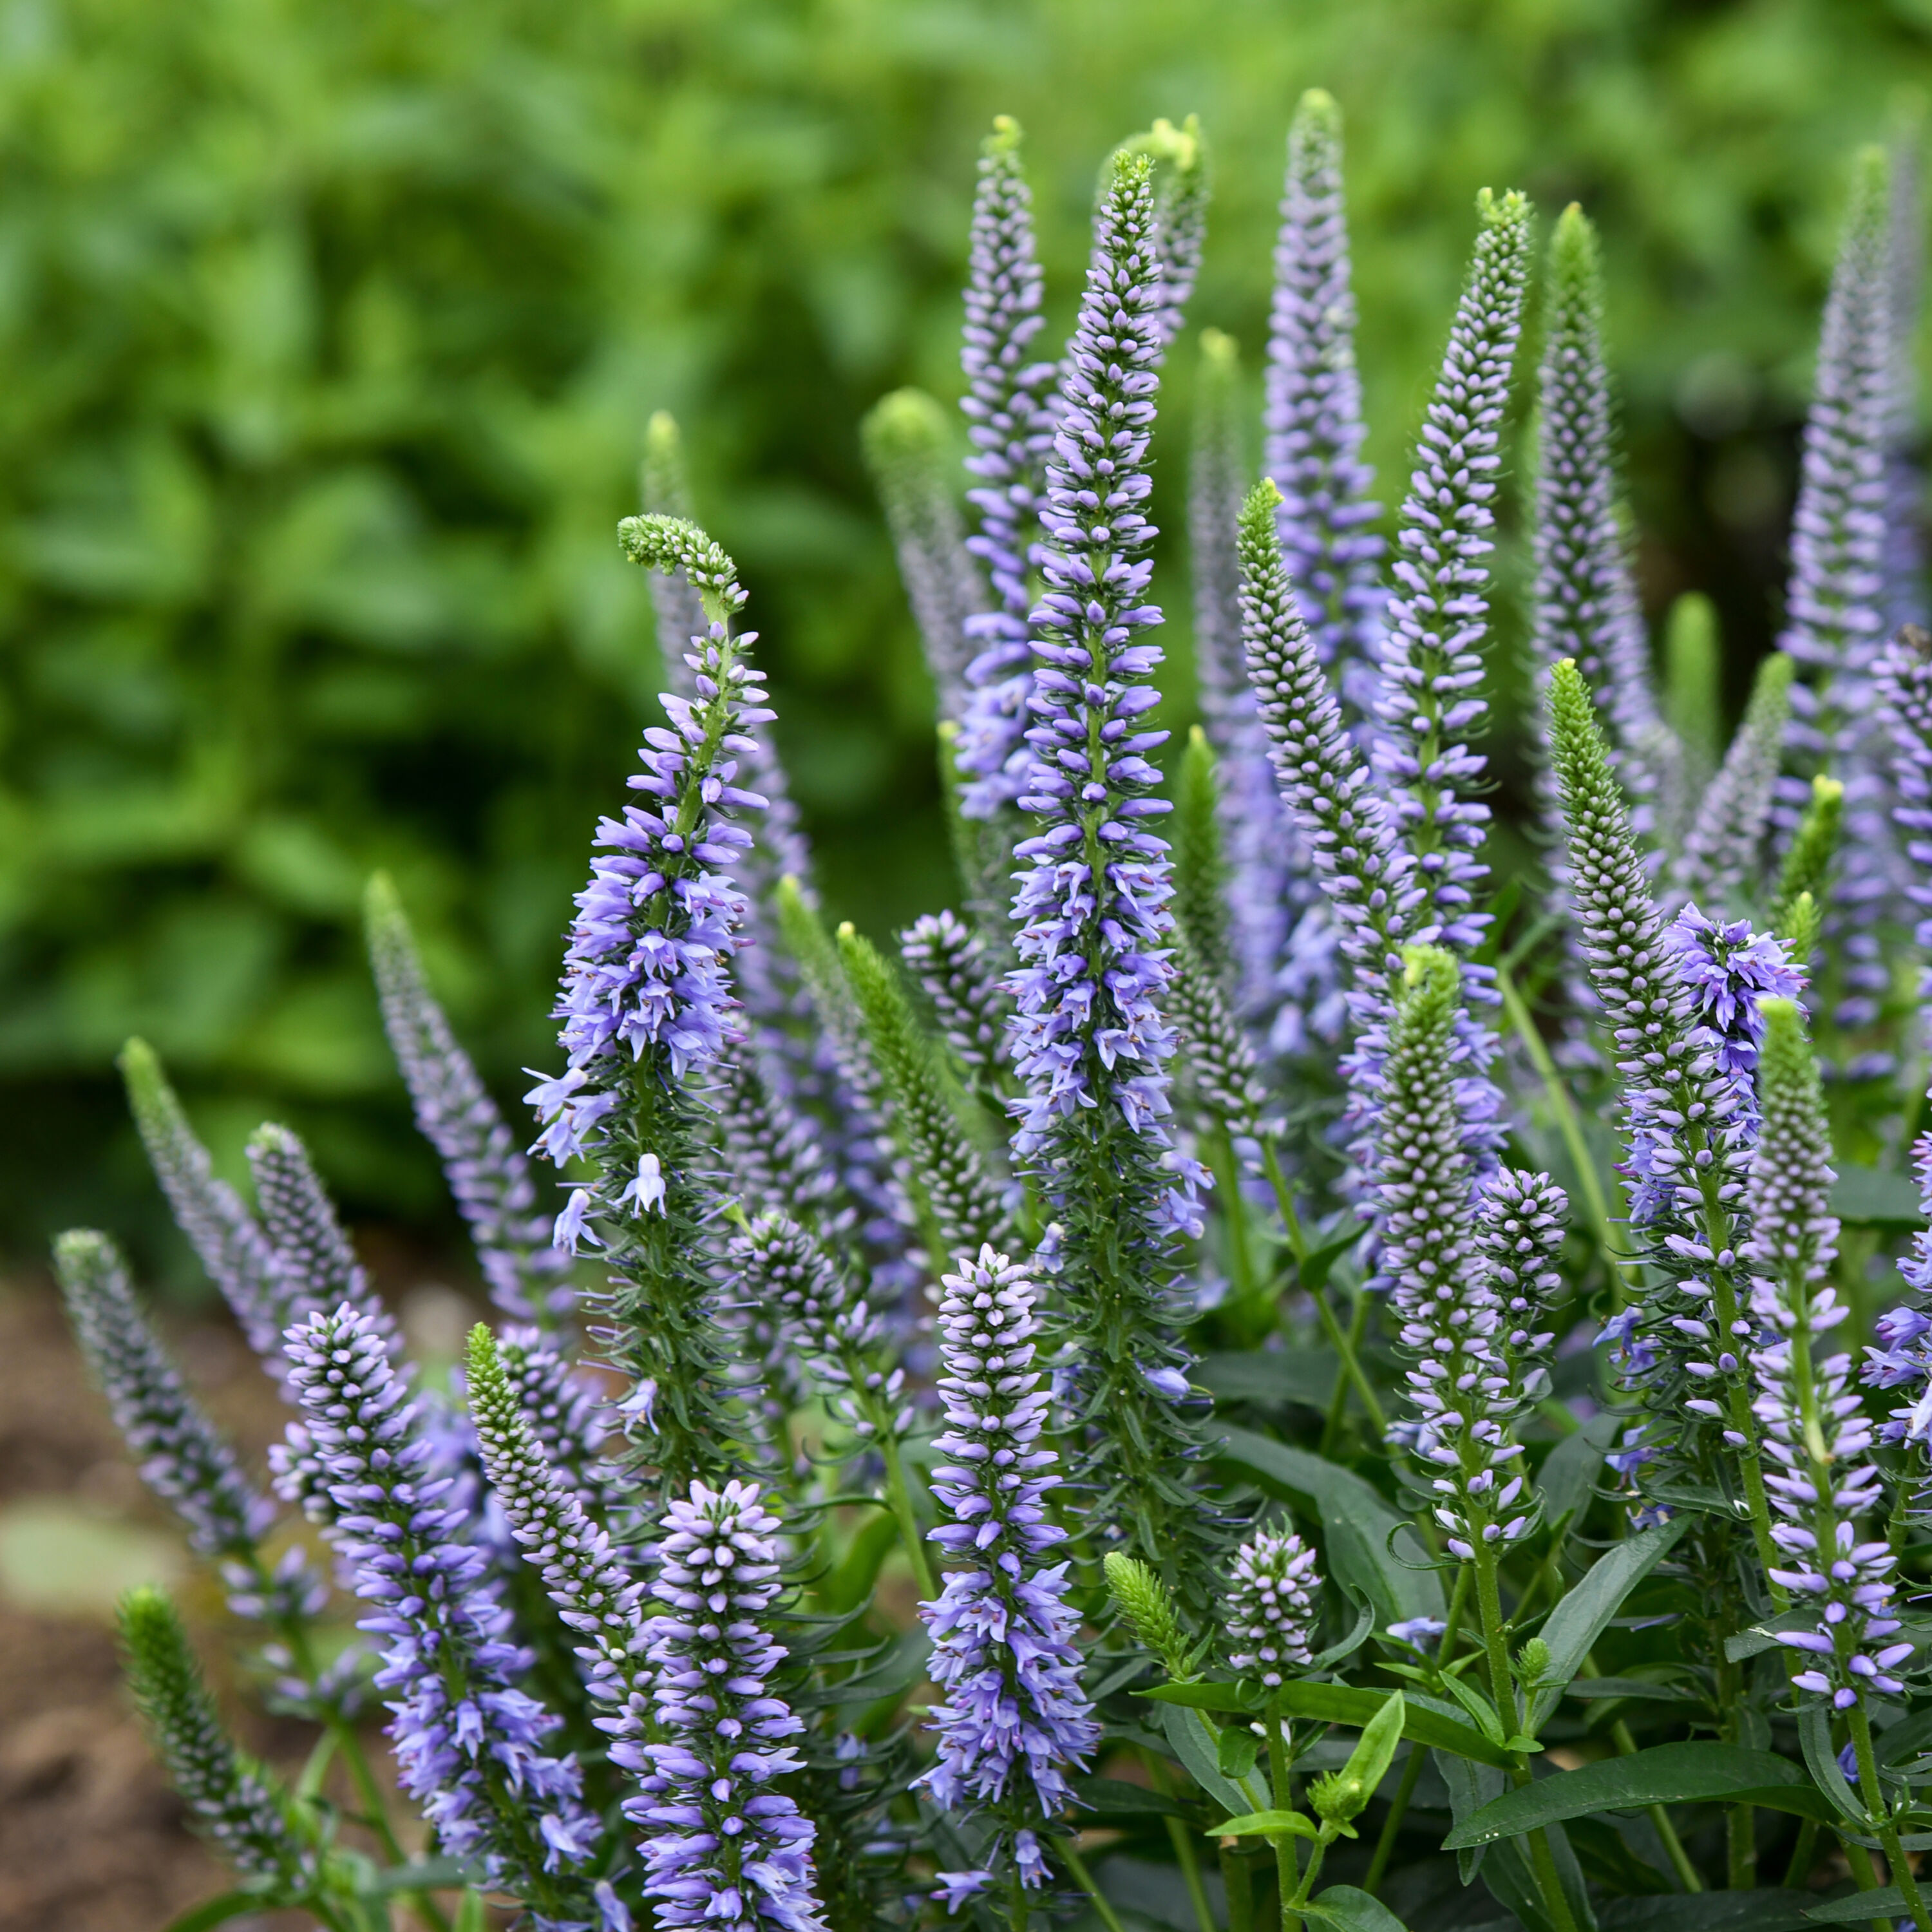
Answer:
(1804, 1854)
(1351, 1362)
(1411, 1775)
(1291, 1917)
(1609, 1242)
(1235, 1212)
(1873, 1793)
(1238, 1881)
(1287, 1876)
(899, 1497)
(1084, 1878)
(1183, 1841)
(1338, 1403)
(1666, 1832)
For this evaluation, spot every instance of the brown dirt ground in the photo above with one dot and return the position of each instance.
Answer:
(91, 1839)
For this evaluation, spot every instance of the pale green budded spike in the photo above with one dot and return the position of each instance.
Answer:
(1812, 848)
(1692, 665)
(1723, 850)
(1200, 872)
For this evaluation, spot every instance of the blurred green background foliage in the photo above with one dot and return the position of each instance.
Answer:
(328, 333)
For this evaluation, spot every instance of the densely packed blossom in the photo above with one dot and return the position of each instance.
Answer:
(1012, 430)
(1585, 604)
(1903, 690)
(1091, 1045)
(1816, 1436)
(232, 1800)
(1271, 1606)
(1014, 1720)
(488, 1172)
(948, 961)
(722, 1848)
(1312, 418)
(471, 1746)
(1428, 701)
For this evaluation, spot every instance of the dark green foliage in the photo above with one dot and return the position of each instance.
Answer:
(331, 334)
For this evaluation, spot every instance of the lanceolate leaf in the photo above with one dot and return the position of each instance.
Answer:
(1196, 1742)
(1351, 1910)
(1666, 1774)
(1573, 1627)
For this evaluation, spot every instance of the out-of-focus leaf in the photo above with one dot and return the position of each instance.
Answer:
(1572, 1629)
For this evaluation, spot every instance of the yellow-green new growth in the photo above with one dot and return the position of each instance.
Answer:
(671, 543)
(1143, 1600)
(1809, 860)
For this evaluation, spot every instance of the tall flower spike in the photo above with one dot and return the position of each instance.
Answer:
(488, 1172)
(1271, 886)
(231, 1247)
(1733, 971)
(1012, 430)
(1014, 1720)
(647, 1010)
(723, 1849)
(469, 1744)
(181, 1457)
(961, 1202)
(664, 490)
(1679, 1347)
(1090, 1045)
(313, 1258)
(948, 961)
(1834, 619)
(1521, 1220)
(1181, 194)
(1464, 1383)
(1723, 853)
(567, 1547)
(905, 438)
(1585, 603)
(1273, 1601)
(1816, 1435)
(1313, 414)
(1431, 675)
(1692, 711)
(1904, 692)
(772, 1151)
(1368, 874)
(562, 1412)
(233, 1801)
(1902, 559)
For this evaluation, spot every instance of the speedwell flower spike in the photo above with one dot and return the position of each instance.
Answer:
(1369, 876)
(1091, 1044)
(723, 1849)
(1724, 847)
(1313, 415)
(488, 1173)
(948, 960)
(1585, 603)
(1273, 1599)
(471, 1746)
(233, 1800)
(226, 1238)
(1904, 693)
(1007, 404)
(1429, 700)
(905, 439)
(1816, 1437)
(1014, 1720)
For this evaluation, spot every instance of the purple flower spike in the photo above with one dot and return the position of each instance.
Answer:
(1015, 1719)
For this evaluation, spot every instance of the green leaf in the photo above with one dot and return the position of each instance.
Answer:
(1570, 1470)
(218, 1911)
(1572, 1629)
(1219, 1695)
(1306, 1375)
(1814, 1736)
(1759, 1638)
(1478, 1706)
(1266, 1824)
(1114, 1797)
(1316, 1267)
(1356, 1524)
(1343, 1704)
(1765, 1911)
(1666, 1775)
(1864, 1197)
(470, 1916)
(1352, 1910)
(1196, 1743)
(1375, 1751)
(1885, 1901)
(1588, 1688)
(428, 1875)
(1235, 1751)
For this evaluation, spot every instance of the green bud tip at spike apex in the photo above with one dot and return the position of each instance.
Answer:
(1576, 261)
(1317, 111)
(904, 424)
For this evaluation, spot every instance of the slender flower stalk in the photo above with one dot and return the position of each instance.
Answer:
(1585, 603)
(234, 1801)
(949, 962)
(1679, 1347)
(723, 1849)
(470, 1746)
(1015, 1719)
(1006, 405)
(904, 438)
(1429, 700)
(232, 1248)
(648, 1011)
(961, 1202)
(1369, 876)
(1090, 1043)
(1722, 852)
(1313, 414)
(488, 1172)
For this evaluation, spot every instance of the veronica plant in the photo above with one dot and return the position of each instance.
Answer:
(892, 1485)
